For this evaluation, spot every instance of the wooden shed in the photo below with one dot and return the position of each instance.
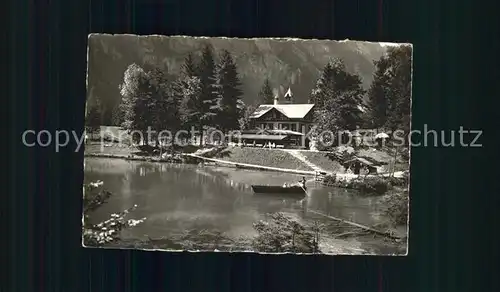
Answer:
(358, 163)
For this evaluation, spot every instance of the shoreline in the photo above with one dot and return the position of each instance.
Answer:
(128, 157)
(231, 164)
(217, 162)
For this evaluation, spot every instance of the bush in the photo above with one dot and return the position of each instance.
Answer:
(397, 207)
(283, 234)
(329, 179)
(405, 154)
(371, 185)
(186, 149)
(147, 149)
(397, 181)
(109, 230)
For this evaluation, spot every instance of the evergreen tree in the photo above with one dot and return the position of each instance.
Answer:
(399, 88)
(378, 94)
(245, 119)
(117, 116)
(390, 92)
(266, 95)
(337, 97)
(189, 91)
(322, 90)
(93, 118)
(164, 107)
(189, 68)
(228, 94)
(334, 80)
(366, 120)
(206, 73)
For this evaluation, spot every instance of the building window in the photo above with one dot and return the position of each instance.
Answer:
(292, 127)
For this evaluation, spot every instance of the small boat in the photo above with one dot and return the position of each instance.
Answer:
(278, 189)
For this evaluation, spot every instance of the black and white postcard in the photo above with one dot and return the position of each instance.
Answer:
(262, 145)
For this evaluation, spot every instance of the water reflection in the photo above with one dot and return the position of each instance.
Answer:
(177, 197)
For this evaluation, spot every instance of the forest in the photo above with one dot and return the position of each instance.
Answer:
(207, 93)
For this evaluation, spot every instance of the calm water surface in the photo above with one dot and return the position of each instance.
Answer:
(179, 197)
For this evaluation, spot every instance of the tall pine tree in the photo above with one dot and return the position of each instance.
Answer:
(93, 117)
(334, 79)
(378, 104)
(245, 122)
(228, 93)
(266, 95)
(337, 97)
(189, 91)
(390, 92)
(117, 116)
(164, 104)
(399, 93)
(189, 68)
(206, 73)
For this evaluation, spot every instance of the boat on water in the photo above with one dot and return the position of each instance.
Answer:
(296, 190)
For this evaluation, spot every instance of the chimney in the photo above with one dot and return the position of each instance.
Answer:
(276, 99)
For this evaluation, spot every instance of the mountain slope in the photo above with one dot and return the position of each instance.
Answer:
(287, 63)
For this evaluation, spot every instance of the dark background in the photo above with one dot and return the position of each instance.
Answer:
(452, 245)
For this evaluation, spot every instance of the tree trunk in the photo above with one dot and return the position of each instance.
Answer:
(158, 144)
(394, 163)
(201, 136)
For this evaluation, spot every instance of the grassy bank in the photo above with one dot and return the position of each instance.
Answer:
(329, 160)
(256, 156)
(367, 185)
(323, 161)
(96, 148)
(264, 157)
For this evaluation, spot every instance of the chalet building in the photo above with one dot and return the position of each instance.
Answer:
(283, 116)
(370, 165)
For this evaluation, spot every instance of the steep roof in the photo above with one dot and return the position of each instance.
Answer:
(360, 159)
(292, 111)
(366, 161)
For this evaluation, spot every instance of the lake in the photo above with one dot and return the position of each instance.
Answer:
(175, 198)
